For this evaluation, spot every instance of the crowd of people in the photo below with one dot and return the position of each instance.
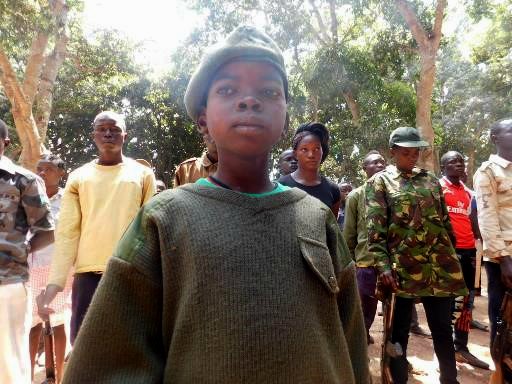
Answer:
(230, 276)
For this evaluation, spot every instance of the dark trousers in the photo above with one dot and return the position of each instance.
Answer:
(463, 305)
(366, 282)
(84, 286)
(496, 292)
(438, 311)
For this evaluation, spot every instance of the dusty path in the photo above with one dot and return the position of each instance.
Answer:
(420, 351)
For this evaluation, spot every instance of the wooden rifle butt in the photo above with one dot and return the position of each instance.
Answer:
(49, 354)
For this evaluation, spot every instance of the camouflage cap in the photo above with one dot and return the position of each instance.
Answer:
(244, 43)
(408, 137)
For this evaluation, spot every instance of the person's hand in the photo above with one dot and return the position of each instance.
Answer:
(43, 309)
(506, 271)
(44, 299)
(388, 281)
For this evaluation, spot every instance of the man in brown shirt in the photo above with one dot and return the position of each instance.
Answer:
(195, 168)
(492, 182)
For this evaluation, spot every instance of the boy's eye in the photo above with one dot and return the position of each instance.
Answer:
(225, 91)
(270, 92)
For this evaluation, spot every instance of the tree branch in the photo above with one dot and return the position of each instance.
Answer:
(298, 64)
(320, 21)
(8, 78)
(417, 30)
(44, 97)
(334, 21)
(34, 65)
(12, 90)
(317, 35)
(438, 23)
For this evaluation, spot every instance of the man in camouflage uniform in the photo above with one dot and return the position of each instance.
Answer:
(23, 207)
(408, 226)
(493, 189)
(356, 235)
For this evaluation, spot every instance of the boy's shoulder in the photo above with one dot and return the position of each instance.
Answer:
(194, 195)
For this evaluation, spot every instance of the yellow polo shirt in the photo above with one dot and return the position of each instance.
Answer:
(98, 204)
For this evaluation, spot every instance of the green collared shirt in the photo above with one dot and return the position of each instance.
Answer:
(408, 225)
(355, 230)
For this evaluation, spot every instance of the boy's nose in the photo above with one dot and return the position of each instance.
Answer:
(249, 102)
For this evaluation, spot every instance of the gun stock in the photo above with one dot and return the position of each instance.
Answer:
(49, 353)
(388, 349)
(502, 344)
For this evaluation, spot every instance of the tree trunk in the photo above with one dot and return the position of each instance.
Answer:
(428, 44)
(30, 140)
(470, 166)
(353, 105)
(39, 79)
(314, 106)
(22, 114)
(424, 108)
(44, 99)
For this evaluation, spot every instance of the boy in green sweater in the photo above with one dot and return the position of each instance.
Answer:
(232, 279)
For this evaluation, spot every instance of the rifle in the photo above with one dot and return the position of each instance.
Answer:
(49, 354)
(501, 349)
(388, 349)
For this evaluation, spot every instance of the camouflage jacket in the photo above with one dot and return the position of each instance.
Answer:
(23, 206)
(408, 225)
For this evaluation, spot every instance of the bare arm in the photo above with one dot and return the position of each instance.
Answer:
(41, 239)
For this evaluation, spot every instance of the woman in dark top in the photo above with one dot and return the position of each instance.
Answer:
(311, 146)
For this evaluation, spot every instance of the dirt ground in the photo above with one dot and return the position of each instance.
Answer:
(420, 351)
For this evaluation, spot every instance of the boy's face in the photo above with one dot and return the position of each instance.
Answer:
(49, 172)
(374, 163)
(405, 158)
(246, 108)
(287, 163)
(107, 136)
(345, 189)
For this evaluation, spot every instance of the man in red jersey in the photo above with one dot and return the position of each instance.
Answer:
(458, 201)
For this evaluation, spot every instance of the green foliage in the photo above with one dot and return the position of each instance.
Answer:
(371, 57)
(93, 79)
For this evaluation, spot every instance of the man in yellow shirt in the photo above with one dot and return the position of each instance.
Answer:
(100, 200)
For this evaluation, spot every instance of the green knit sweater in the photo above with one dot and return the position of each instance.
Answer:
(213, 286)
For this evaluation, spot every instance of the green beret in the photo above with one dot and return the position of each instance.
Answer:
(246, 43)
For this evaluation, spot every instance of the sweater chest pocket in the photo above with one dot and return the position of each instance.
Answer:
(317, 257)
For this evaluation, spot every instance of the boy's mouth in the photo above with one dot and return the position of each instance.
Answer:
(249, 122)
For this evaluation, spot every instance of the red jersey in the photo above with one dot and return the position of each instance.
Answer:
(458, 201)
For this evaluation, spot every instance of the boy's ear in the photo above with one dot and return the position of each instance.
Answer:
(7, 141)
(202, 126)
